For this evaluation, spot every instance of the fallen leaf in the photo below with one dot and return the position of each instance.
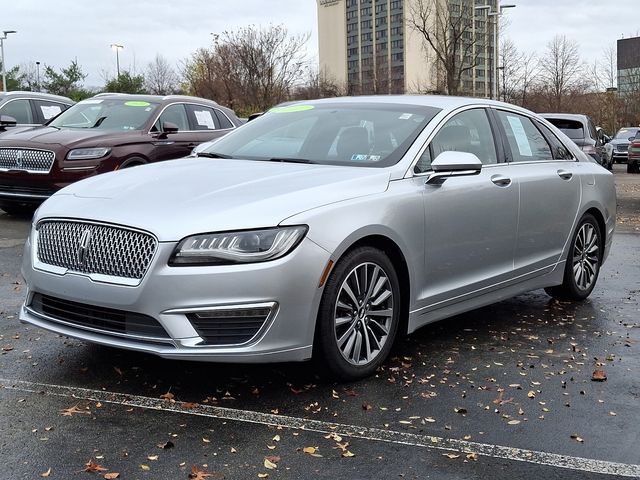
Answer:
(111, 476)
(263, 475)
(233, 450)
(197, 474)
(206, 440)
(167, 396)
(598, 376)
(166, 445)
(310, 450)
(531, 394)
(152, 457)
(189, 405)
(144, 467)
(69, 412)
(276, 438)
(461, 411)
(472, 456)
(47, 473)
(269, 464)
(92, 467)
(577, 438)
(451, 455)
(348, 454)
(513, 422)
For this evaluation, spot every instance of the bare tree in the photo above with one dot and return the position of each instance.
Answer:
(511, 64)
(160, 77)
(445, 28)
(560, 69)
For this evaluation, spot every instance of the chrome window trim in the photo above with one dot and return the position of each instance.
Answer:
(35, 172)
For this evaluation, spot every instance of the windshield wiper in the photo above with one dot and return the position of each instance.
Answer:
(291, 160)
(212, 155)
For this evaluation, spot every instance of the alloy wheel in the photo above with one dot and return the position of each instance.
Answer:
(363, 313)
(586, 256)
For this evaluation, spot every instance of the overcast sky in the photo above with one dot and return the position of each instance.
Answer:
(54, 32)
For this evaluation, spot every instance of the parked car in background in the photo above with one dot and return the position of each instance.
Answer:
(582, 130)
(324, 228)
(104, 133)
(29, 109)
(621, 143)
(633, 162)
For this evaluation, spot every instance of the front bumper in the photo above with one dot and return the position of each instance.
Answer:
(169, 294)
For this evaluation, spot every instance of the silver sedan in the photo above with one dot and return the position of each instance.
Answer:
(324, 228)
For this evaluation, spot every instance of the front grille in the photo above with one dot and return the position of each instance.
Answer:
(28, 160)
(622, 148)
(229, 327)
(107, 320)
(95, 249)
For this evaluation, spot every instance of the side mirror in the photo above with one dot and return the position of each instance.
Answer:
(631, 139)
(454, 164)
(7, 121)
(169, 127)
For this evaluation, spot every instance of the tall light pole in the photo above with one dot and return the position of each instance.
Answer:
(497, 14)
(38, 75)
(4, 70)
(473, 39)
(117, 48)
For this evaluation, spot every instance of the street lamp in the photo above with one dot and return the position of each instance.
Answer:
(473, 23)
(38, 76)
(117, 48)
(4, 73)
(497, 13)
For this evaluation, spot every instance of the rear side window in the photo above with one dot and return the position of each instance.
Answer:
(560, 152)
(48, 110)
(202, 118)
(18, 109)
(526, 142)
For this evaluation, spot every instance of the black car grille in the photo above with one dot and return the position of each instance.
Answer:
(229, 327)
(28, 160)
(104, 319)
(95, 249)
(622, 147)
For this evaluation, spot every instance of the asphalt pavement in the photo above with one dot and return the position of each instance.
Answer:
(506, 391)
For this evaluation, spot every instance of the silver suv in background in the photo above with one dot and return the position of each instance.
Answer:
(621, 143)
(30, 109)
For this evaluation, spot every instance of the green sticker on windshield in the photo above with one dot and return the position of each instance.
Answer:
(292, 109)
(137, 104)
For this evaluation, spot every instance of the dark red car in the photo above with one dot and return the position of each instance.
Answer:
(101, 134)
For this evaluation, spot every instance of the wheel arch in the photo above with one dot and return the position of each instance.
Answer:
(132, 161)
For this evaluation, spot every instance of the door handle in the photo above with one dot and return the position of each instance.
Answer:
(563, 174)
(501, 180)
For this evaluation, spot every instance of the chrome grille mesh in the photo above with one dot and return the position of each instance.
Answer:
(39, 161)
(108, 250)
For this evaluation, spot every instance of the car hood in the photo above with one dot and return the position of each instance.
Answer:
(178, 198)
(619, 141)
(70, 137)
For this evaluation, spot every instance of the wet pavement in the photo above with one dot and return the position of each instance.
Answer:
(505, 391)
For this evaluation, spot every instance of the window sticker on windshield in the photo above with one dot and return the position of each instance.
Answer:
(520, 136)
(137, 104)
(203, 117)
(89, 102)
(405, 116)
(292, 109)
(50, 111)
(359, 157)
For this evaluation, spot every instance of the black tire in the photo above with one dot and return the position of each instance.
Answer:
(362, 326)
(17, 210)
(585, 261)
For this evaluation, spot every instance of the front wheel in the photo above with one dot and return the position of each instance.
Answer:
(359, 314)
(583, 262)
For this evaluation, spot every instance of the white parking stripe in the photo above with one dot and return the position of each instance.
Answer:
(366, 433)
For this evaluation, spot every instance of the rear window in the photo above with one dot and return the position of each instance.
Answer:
(571, 128)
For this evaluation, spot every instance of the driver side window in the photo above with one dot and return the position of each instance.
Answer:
(468, 131)
(175, 114)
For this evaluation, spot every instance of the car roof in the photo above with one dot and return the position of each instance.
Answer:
(154, 98)
(444, 102)
(565, 116)
(36, 95)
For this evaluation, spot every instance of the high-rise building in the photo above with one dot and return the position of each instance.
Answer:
(370, 47)
(629, 65)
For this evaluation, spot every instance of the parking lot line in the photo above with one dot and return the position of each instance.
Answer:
(365, 433)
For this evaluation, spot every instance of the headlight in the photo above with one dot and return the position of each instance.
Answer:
(88, 153)
(237, 247)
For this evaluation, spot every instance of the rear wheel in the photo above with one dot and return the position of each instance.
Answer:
(359, 314)
(583, 262)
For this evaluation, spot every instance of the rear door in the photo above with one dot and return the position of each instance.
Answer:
(549, 190)
(206, 124)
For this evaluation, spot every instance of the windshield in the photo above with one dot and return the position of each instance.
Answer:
(106, 114)
(354, 134)
(625, 133)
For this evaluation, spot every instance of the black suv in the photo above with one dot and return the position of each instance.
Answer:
(29, 109)
(582, 130)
